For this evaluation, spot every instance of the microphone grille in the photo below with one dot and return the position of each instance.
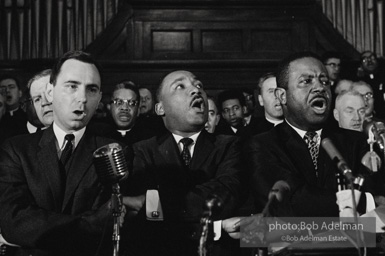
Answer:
(110, 163)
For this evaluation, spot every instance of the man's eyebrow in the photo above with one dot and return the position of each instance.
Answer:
(93, 85)
(72, 82)
(178, 80)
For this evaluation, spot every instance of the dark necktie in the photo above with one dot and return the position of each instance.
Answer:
(186, 156)
(311, 141)
(67, 151)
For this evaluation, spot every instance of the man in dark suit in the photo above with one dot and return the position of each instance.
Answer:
(124, 114)
(283, 153)
(184, 174)
(273, 114)
(51, 201)
(15, 115)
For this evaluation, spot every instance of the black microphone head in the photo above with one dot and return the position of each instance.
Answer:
(110, 163)
(279, 190)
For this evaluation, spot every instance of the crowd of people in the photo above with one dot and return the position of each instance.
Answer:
(189, 154)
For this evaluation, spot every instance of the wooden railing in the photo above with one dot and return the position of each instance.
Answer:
(359, 21)
(35, 29)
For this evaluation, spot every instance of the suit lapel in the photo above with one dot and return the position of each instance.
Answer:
(81, 161)
(204, 146)
(298, 151)
(169, 150)
(48, 161)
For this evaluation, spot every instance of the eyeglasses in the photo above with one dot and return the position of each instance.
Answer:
(248, 97)
(367, 96)
(120, 102)
(368, 58)
(333, 65)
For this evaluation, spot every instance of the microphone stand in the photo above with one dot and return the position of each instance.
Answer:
(206, 223)
(116, 204)
(355, 215)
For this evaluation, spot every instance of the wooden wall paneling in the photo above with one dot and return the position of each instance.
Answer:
(77, 26)
(2, 51)
(69, 14)
(135, 44)
(48, 10)
(84, 19)
(8, 25)
(20, 21)
(94, 19)
(29, 35)
(101, 46)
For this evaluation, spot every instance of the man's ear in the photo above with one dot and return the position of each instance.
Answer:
(100, 98)
(335, 114)
(217, 119)
(260, 100)
(244, 109)
(49, 92)
(280, 93)
(159, 110)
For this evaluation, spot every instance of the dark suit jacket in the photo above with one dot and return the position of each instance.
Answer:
(281, 154)
(32, 213)
(183, 191)
(262, 125)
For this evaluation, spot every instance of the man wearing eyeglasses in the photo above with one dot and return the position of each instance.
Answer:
(371, 71)
(366, 92)
(332, 62)
(124, 110)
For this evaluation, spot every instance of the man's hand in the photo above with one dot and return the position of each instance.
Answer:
(133, 204)
(232, 226)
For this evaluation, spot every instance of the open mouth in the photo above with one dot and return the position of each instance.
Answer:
(319, 104)
(80, 113)
(278, 106)
(198, 104)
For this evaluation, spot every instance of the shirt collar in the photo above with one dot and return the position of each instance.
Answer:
(12, 112)
(302, 132)
(247, 119)
(60, 134)
(31, 128)
(275, 122)
(123, 132)
(192, 146)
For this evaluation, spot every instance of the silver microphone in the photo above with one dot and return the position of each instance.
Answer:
(110, 163)
(378, 131)
(335, 155)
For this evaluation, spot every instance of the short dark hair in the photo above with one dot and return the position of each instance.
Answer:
(9, 76)
(282, 73)
(262, 79)
(126, 84)
(330, 54)
(230, 95)
(77, 55)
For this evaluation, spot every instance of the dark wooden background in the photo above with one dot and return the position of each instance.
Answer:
(227, 44)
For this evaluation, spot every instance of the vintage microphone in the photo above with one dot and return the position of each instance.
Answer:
(111, 167)
(378, 131)
(277, 192)
(342, 166)
(213, 204)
